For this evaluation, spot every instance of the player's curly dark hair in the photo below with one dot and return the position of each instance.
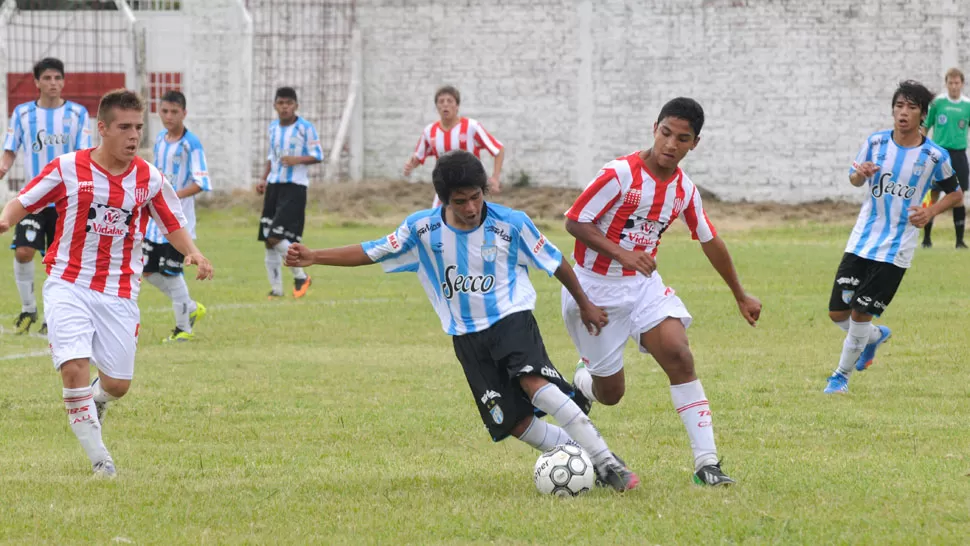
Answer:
(457, 170)
(48, 63)
(914, 92)
(686, 109)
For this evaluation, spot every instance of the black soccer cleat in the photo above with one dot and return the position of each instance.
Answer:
(927, 243)
(24, 321)
(580, 399)
(961, 245)
(599, 481)
(712, 475)
(615, 474)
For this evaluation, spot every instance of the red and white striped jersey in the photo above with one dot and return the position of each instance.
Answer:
(633, 209)
(101, 220)
(468, 134)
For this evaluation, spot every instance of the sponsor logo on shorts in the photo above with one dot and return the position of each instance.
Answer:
(489, 395)
(550, 373)
(526, 369)
(851, 281)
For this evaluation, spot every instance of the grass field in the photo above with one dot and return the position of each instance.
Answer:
(344, 418)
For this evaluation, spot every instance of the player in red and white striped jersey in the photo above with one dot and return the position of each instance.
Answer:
(618, 222)
(104, 197)
(454, 132)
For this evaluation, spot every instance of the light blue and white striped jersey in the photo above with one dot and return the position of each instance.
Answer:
(473, 278)
(46, 133)
(183, 163)
(298, 138)
(883, 232)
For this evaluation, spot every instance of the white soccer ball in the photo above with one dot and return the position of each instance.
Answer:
(564, 471)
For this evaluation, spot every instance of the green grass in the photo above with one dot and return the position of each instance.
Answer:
(344, 418)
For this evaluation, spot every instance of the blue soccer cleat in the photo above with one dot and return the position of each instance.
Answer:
(868, 355)
(838, 384)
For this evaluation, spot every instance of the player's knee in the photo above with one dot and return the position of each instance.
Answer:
(24, 254)
(115, 387)
(271, 243)
(679, 361)
(519, 429)
(609, 394)
(839, 316)
(531, 383)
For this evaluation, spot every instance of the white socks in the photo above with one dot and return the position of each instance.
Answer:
(83, 419)
(175, 288)
(100, 395)
(855, 341)
(695, 411)
(584, 382)
(24, 275)
(575, 423)
(282, 247)
(545, 436)
(274, 270)
(874, 333)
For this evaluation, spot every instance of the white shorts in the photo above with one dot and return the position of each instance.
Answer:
(82, 323)
(634, 304)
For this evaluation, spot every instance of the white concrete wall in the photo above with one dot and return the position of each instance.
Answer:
(790, 88)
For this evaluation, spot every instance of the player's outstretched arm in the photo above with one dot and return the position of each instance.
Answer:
(12, 214)
(593, 317)
(182, 241)
(717, 253)
(346, 256)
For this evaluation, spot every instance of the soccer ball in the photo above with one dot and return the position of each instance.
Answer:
(564, 471)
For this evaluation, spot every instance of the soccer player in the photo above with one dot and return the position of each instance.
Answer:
(472, 259)
(618, 221)
(104, 197)
(180, 157)
(453, 132)
(45, 129)
(948, 118)
(898, 167)
(293, 145)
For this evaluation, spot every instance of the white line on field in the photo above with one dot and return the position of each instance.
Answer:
(25, 355)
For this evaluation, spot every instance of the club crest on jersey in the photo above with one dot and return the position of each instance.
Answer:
(918, 169)
(141, 195)
(632, 198)
(462, 137)
(941, 119)
(678, 206)
(489, 253)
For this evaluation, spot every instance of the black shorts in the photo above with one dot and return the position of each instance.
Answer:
(864, 285)
(36, 230)
(494, 359)
(162, 258)
(958, 158)
(284, 209)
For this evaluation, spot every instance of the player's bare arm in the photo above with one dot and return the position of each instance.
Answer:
(6, 162)
(495, 181)
(261, 185)
(189, 191)
(12, 214)
(593, 317)
(182, 241)
(299, 255)
(862, 173)
(294, 160)
(410, 165)
(717, 253)
(919, 216)
(592, 237)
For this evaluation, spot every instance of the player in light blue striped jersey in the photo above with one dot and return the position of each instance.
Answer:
(45, 128)
(179, 156)
(898, 168)
(293, 145)
(473, 259)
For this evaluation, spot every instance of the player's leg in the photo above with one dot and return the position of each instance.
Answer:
(71, 335)
(28, 239)
(115, 341)
(187, 311)
(962, 170)
(932, 197)
(49, 225)
(288, 227)
(273, 261)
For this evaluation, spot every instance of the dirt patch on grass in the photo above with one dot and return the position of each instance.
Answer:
(387, 202)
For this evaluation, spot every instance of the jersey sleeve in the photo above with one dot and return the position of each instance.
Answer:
(15, 133)
(535, 248)
(598, 197)
(83, 131)
(421, 150)
(485, 141)
(166, 209)
(701, 228)
(311, 143)
(199, 167)
(930, 115)
(269, 140)
(397, 252)
(944, 177)
(865, 154)
(48, 187)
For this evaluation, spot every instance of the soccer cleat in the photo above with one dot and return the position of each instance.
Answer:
(579, 398)
(274, 295)
(616, 475)
(179, 335)
(300, 286)
(712, 475)
(105, 469)
(599, 481)
(100, 407)
(868, 355)
(961, 245)
(837, 384)
(43, 329)
(197, 315)
(25, 321)
(927, 244)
